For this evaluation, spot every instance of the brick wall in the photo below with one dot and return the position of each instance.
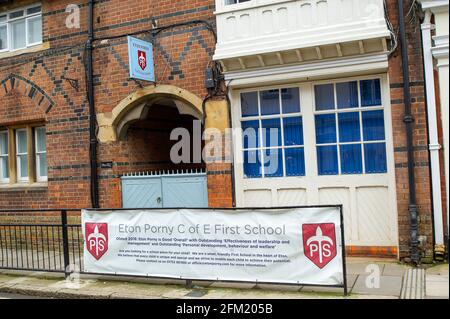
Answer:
(181, 56)
(422, 165)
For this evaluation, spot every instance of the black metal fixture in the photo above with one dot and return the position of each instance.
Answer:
(408, 119)
(92, 115)
(73, 83)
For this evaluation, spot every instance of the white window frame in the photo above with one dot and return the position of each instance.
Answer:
(6, 155)
(359, 109)
(25, 17)
(39, 177)
(19, 172)
(261, 149)
(308, 112)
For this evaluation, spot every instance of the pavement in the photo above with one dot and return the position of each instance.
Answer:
(437, 282)
(367, 279)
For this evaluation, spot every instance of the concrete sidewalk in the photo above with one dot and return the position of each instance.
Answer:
(367, 278)
(437, 282)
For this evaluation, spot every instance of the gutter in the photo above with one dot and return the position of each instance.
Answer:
(92, 114)
(408, 119)
(434, 145)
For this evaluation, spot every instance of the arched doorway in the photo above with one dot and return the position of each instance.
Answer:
(143, 125)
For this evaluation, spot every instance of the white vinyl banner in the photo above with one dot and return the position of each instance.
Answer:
(292, 245)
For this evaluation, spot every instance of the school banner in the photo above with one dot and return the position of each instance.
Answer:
(289, 245)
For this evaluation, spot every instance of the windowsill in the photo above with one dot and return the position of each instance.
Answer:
(23, 186)
(35, 48)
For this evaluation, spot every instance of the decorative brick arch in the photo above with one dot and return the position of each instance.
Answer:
(112, 125)
(18, 83)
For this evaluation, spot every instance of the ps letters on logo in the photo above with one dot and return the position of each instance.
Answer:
(96, 239)
(142, 59)
(319, 243)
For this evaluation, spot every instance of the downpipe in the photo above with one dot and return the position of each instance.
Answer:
(92, 114)
(408, 119)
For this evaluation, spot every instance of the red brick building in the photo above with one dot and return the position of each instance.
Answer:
(45, 109)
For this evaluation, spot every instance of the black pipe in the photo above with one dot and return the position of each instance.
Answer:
(92, 114)
(408, 119)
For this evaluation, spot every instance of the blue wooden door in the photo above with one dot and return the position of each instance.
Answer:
(168, 191)
(141, 192)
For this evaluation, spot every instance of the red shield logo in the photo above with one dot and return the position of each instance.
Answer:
(96, 239)
(142, 59)
(319, 243)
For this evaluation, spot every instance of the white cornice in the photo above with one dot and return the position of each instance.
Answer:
(435, 5)
(361, 64)
(440, 49)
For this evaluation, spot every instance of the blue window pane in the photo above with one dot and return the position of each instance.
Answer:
(375, 158)
(290, 100)
(295, 161)
(252, 167)
(347, 95)
(327, 160)
(351, 159)
(293, 131)
(373, 125)
(270, 102)
(370, 92)
(273, 163)
(249, 104)
(324, 97)
(349, 129)
(271, 132)
(250, 134)
(325, 128)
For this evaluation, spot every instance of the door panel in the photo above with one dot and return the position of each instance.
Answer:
(179, 191)
(141, 192)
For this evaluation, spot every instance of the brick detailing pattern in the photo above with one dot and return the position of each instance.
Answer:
(64, 109)
(29, 89)
(176, 64)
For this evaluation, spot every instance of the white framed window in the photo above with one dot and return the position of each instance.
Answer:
(272, 127)
(22, 155)
(340, 128)
(4, 157)
(20, 28)
(350, 130)
(40, 153)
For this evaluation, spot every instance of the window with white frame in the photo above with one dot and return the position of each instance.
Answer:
(4, 157)
(347, 119)
(20, 28)
(349, 125)
(22, 154)
(41, 154)
(272, 127)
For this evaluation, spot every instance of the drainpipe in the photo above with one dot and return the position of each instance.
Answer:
(92, 114)
(408, 119)
(432, 131)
